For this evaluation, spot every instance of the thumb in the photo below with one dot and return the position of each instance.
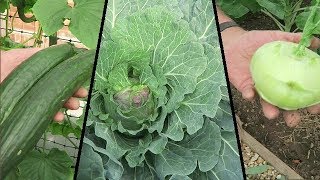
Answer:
(286, 36)
(295, 38)
(248, 92)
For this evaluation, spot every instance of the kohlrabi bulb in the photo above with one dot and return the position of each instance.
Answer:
(285, 79)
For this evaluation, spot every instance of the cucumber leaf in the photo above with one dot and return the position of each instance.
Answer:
(85, 18)
(56, 165)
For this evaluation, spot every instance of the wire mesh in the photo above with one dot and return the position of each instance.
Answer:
(22, 33)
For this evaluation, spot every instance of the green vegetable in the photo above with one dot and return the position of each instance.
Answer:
(31, 116)
(18, 83)
(160, 108)
(285, 74)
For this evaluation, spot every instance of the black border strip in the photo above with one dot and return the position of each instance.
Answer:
(229, 88)
(90, 89)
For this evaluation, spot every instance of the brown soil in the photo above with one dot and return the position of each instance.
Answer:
(298, 147)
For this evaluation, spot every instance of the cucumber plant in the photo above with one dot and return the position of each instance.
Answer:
(53, 75)
(84, 16)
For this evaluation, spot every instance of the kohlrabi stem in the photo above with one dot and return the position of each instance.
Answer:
(308, 30)
(278, 23)
(292, 17)
(305, 8)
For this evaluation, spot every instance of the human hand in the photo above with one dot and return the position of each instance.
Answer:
(239, 47)
(12, 58)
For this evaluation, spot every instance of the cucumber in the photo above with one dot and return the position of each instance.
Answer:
(30, 118)
(21, 79)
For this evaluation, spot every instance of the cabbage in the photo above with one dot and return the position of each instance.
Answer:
(160, 108)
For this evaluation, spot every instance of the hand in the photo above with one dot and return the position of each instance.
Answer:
(11, 59)
(239, 47)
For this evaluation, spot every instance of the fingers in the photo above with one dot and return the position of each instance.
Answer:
(314, 109)
(72, 103)
(285, 36)
(315, 44)
(81, 93)
(292, 118)
(59, 117)
(269, 111)
(295, 37)
(248, 92)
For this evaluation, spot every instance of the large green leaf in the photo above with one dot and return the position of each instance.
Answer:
(275, 7)
(3, 5)
(302, 19)
(85, 18)
(229, 165)
(233, 8)
(56, 165)
(90, 166)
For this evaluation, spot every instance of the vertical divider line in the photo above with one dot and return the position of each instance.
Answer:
(229, 88)
(90, 88)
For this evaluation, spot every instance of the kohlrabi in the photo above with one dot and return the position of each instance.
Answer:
(287, 74)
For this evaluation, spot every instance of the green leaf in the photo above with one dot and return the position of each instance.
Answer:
(205, 145)
(85, 18)
(51, 18)
(179, 177)
(257, 169)
(13, 175)
(3, 5)
(175, 159)
(229, 165)
(224, 117)
(251, 5)
(64, 129)
(302, 19)
(233, 8)
(90, 166)
(275, 7)
(158, 144)
(56, 165)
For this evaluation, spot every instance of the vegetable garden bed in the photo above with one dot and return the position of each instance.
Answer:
(292, 145)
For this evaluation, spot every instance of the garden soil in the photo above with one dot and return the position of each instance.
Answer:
(298, 147)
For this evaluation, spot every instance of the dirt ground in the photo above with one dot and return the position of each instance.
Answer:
(298, 147)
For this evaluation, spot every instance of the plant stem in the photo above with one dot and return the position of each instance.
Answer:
(12, 22)
(71, 142)
(295, 30)
(305, 8)
(291, 19)
(7, 19)
(68, 119)
(278, 23)
(44, 141)
(27, 40)
(38, 37)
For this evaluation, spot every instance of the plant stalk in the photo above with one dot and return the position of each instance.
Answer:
(7, 19)
(278, 23)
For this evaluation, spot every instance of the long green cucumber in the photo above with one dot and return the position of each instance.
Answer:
(29, 119)
(22, 78)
